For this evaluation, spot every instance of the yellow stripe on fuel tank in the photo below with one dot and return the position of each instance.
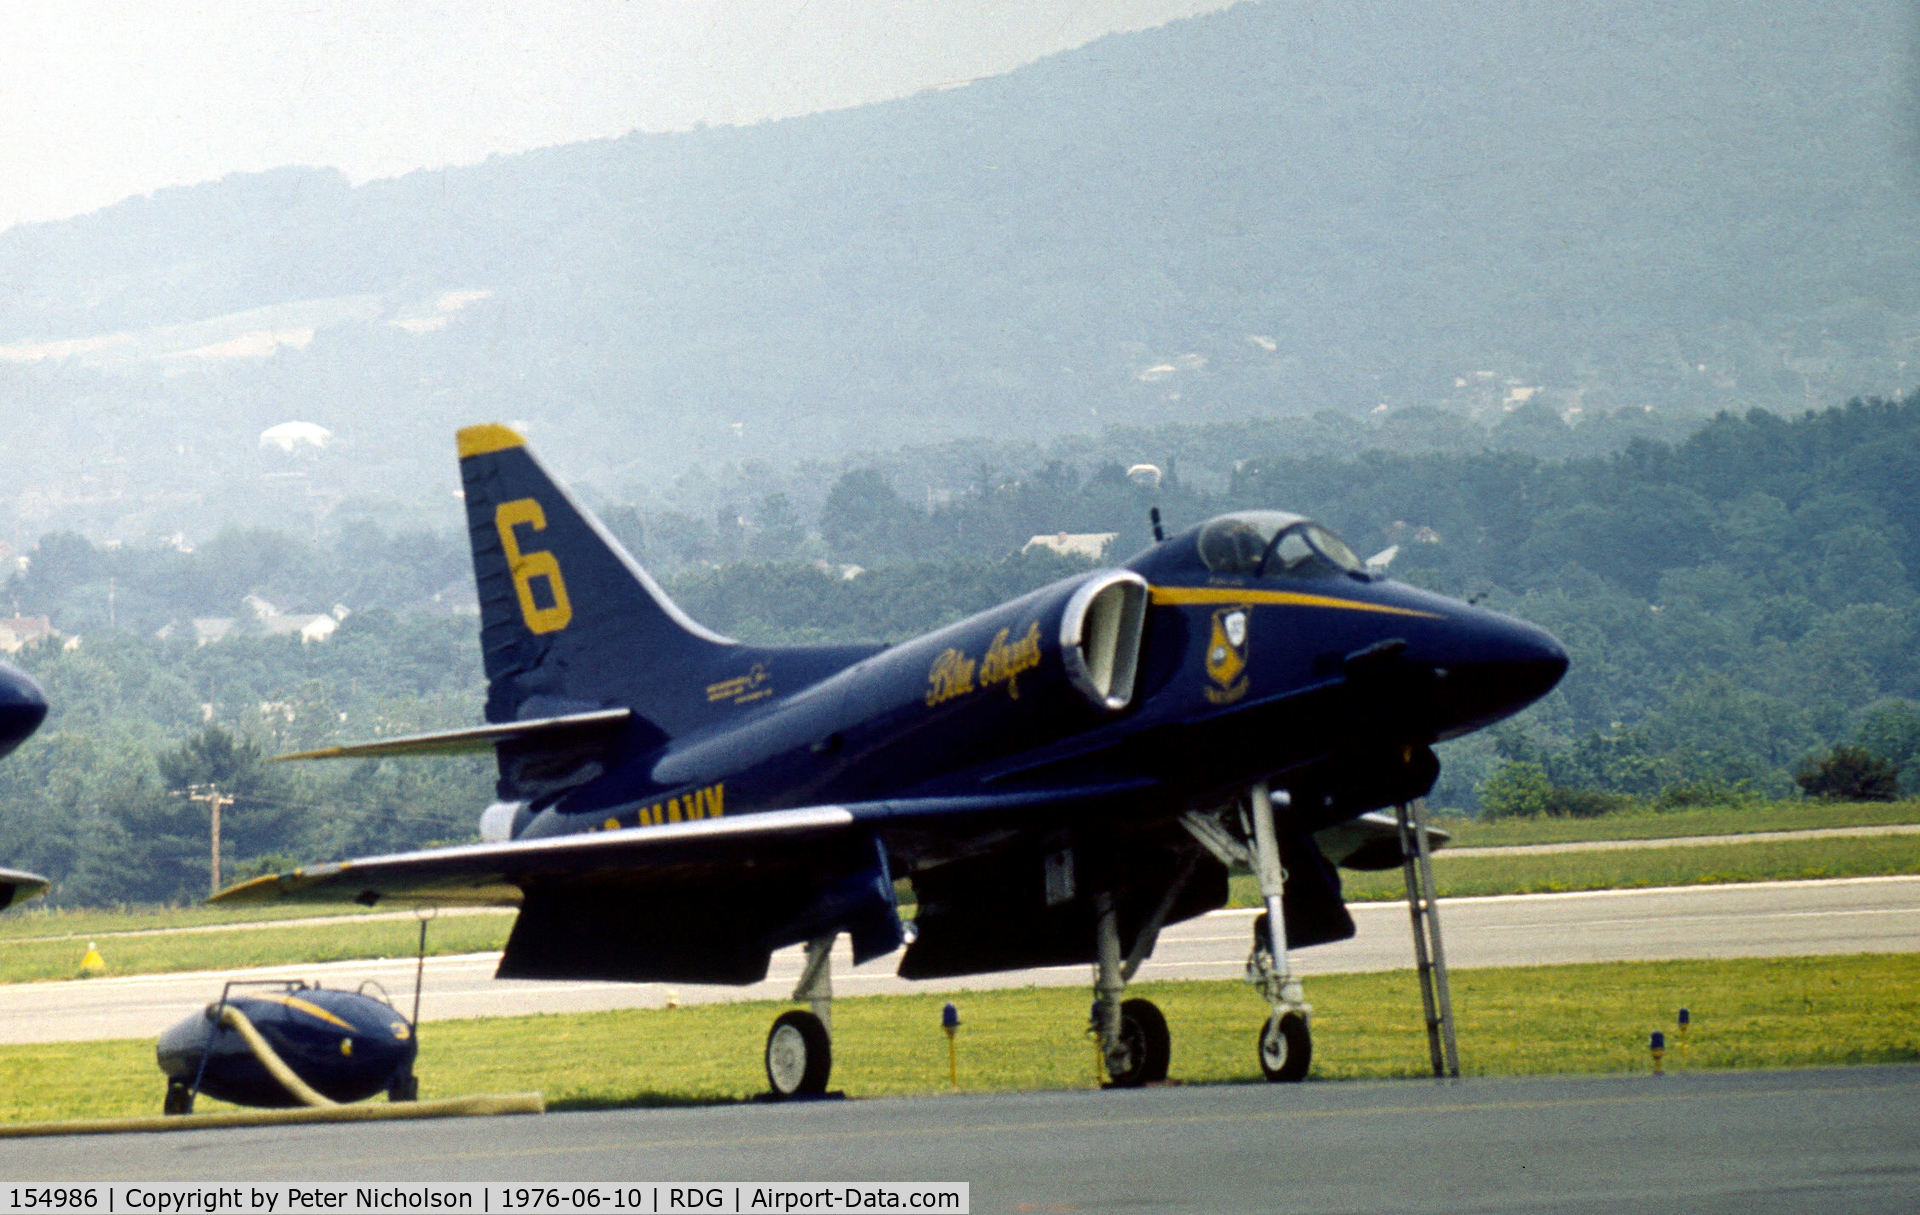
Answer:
(1208, 596)
(310, 1008)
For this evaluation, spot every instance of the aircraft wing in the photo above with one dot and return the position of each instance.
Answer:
(495, 873)
(672, 854)
(17, 886)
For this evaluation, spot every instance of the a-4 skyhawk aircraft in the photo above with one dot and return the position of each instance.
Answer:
(23, 706)
(1058, 778)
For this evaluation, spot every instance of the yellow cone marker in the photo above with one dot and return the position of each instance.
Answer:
(93, 963)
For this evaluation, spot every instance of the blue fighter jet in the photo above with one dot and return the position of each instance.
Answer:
(1058, 778)
(23, 706)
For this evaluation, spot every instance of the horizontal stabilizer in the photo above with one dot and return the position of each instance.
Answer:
(476, 740)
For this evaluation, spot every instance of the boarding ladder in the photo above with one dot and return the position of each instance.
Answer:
(1416, 861)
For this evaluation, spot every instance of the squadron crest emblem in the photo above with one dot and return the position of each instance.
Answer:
(1227, 656)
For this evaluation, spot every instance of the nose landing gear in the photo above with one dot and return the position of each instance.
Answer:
(1286, 1048)
(1286, 1042)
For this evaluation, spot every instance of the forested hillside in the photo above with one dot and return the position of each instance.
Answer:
(1269, 211)
(1735, 604)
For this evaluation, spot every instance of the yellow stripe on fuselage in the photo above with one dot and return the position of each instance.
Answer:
(1203, 596)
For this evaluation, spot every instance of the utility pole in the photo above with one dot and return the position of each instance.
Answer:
(216, 801)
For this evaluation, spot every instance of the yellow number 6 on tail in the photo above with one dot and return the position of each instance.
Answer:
(528, 566)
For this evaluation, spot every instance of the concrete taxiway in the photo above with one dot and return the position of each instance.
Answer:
(1863, 915)
(1832, 1141)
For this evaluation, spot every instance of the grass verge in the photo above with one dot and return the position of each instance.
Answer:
(1747, 1013)
(28, 960)
(1646, 824)
(1695, 865)
(37, 920)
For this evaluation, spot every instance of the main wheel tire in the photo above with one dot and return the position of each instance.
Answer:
(799, 1055)
(1286, 1047)
(1145, 1047)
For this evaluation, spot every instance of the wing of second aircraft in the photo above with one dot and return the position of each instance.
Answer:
(17, 886)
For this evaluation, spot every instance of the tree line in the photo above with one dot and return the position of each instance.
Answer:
(1739, 607)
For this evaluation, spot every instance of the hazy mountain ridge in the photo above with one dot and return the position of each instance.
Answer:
(1273, 209)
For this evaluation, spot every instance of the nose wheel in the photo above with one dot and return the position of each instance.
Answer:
(1286, 1047)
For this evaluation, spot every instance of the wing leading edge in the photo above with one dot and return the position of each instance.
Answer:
(497, 874)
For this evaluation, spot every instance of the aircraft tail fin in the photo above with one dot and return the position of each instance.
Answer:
(569, 622)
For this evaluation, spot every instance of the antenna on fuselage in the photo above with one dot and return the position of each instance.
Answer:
(1153, 515)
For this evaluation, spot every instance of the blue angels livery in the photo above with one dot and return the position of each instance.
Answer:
(1057, 778)
(23, 706)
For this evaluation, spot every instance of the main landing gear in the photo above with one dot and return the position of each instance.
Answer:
(1135, 1047)
(800, 1045)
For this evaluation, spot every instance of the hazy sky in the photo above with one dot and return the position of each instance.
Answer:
(100, 100)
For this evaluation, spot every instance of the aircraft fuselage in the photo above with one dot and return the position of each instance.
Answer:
(23, 706)
(1337, 680)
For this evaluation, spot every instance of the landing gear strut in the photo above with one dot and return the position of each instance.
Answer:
(1286, 1042)
(1135, 1046)
(799, 1054)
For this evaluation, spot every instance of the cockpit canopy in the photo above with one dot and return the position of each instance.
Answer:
(1274, 544)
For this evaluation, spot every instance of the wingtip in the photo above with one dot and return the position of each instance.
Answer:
(322, 753)
(486, 439)
(252, 890)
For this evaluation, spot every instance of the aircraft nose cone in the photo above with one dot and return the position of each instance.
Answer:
(1515, 665)
(23, 706)
(1537, 663)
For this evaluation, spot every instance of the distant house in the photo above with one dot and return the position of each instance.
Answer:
(846, 573)
(18, 632)
(205, 630)
(262, 619)
(309, 628)
(1090, 545)
(1402, 532)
